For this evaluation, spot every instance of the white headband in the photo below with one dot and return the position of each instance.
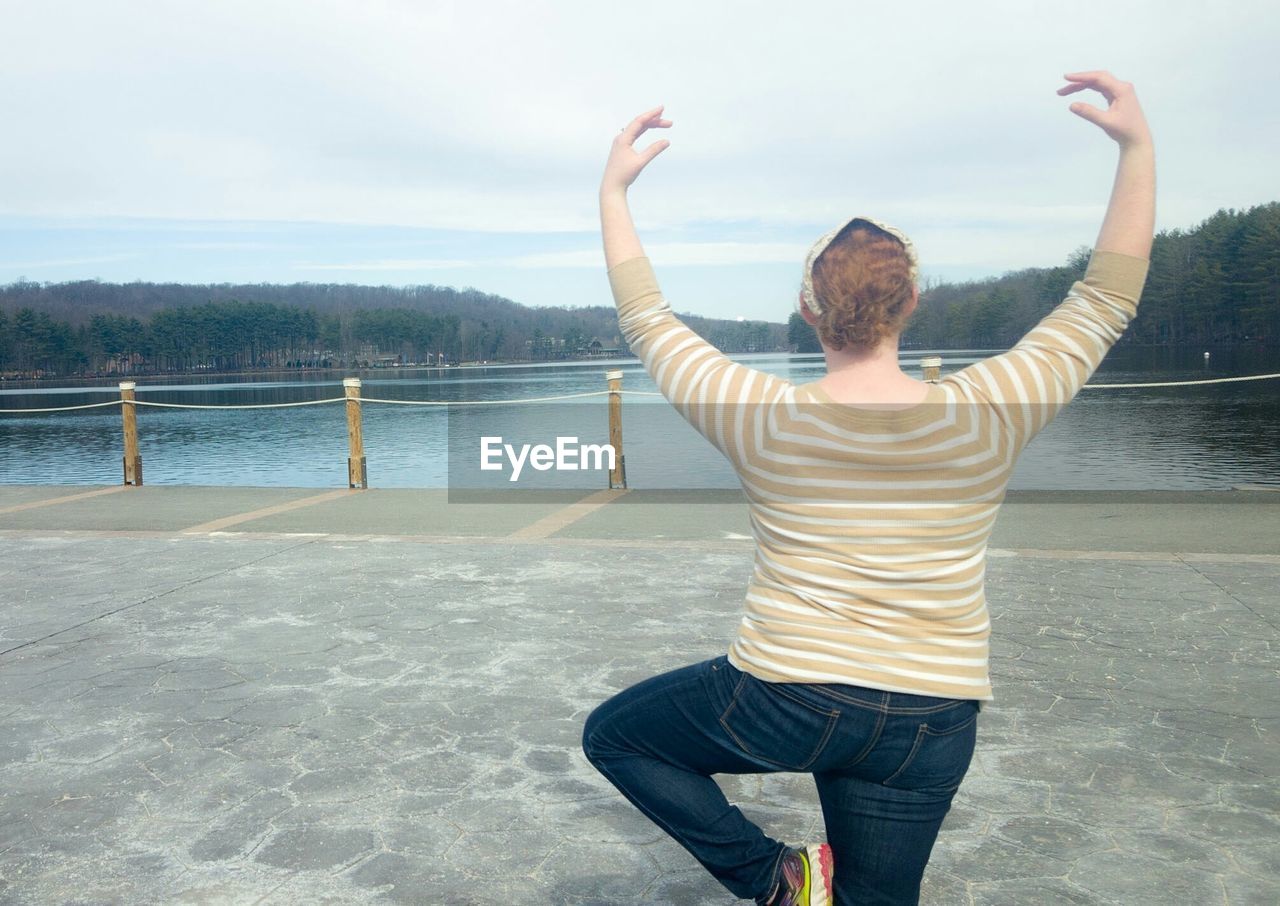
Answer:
(806, 287)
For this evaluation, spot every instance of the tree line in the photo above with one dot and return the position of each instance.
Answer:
(1217, 283)
(90, 327)
(340, 328)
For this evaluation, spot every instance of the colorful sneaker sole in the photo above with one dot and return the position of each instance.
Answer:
(821, 867)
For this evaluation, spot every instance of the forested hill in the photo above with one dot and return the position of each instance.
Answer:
(99, 328)
(1216, 283)
(239, 325)
(77, 301)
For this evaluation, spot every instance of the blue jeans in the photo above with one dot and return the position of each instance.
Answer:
(886, 765)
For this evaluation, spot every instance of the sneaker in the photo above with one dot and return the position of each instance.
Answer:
(805, 878)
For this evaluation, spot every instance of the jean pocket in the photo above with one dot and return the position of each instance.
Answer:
(775, 726)
(939, 758)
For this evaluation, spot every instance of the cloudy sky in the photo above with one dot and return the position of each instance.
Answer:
(398, 142)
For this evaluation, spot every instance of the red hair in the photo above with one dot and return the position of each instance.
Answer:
(863, 282)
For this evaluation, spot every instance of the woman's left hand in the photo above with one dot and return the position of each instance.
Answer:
(625, 162)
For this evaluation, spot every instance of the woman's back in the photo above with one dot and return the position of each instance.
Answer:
(872, 520)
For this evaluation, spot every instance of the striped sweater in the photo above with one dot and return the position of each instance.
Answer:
(871, 524)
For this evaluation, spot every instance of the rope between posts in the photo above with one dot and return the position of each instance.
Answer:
(533, 399)
(60, 408)
(336, 399)
(536, 399)
(1221, 380)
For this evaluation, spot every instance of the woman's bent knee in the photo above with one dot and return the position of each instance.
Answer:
(594, 732)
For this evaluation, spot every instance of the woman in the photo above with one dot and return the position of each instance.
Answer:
(862, 654)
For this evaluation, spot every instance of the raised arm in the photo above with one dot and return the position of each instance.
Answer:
(714, 394)
(1044, 371)
(621, 242)
(1131, 216)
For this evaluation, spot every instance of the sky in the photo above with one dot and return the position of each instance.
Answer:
(461, 144)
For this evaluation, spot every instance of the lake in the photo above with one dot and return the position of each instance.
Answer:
(1198, 437)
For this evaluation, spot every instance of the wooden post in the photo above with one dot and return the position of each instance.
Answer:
(618, 474)
(132, 459)
(931, 365)
(357, 475)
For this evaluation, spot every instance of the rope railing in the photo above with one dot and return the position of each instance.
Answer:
(335, 399)
(357, 474)
(155, 405)
(531, 399)
(541, 399)
(1220, 380)
(60, 408)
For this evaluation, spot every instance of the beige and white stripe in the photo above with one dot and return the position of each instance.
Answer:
(871, 525)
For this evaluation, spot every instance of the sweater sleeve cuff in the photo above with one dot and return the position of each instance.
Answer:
(1121, 274)
(632, 279)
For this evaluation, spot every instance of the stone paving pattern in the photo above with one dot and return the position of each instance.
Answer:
(240, 719)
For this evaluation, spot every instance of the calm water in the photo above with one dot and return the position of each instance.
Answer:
(1172, 438)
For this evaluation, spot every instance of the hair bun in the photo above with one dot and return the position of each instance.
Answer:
(806, 287)
(860, 282)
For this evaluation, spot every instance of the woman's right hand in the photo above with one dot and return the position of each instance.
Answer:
(625, 162)
(1123, 119)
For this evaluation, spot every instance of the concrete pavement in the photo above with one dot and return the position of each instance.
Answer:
(216, 695)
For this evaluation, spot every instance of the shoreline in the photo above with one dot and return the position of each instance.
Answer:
(151, 376)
